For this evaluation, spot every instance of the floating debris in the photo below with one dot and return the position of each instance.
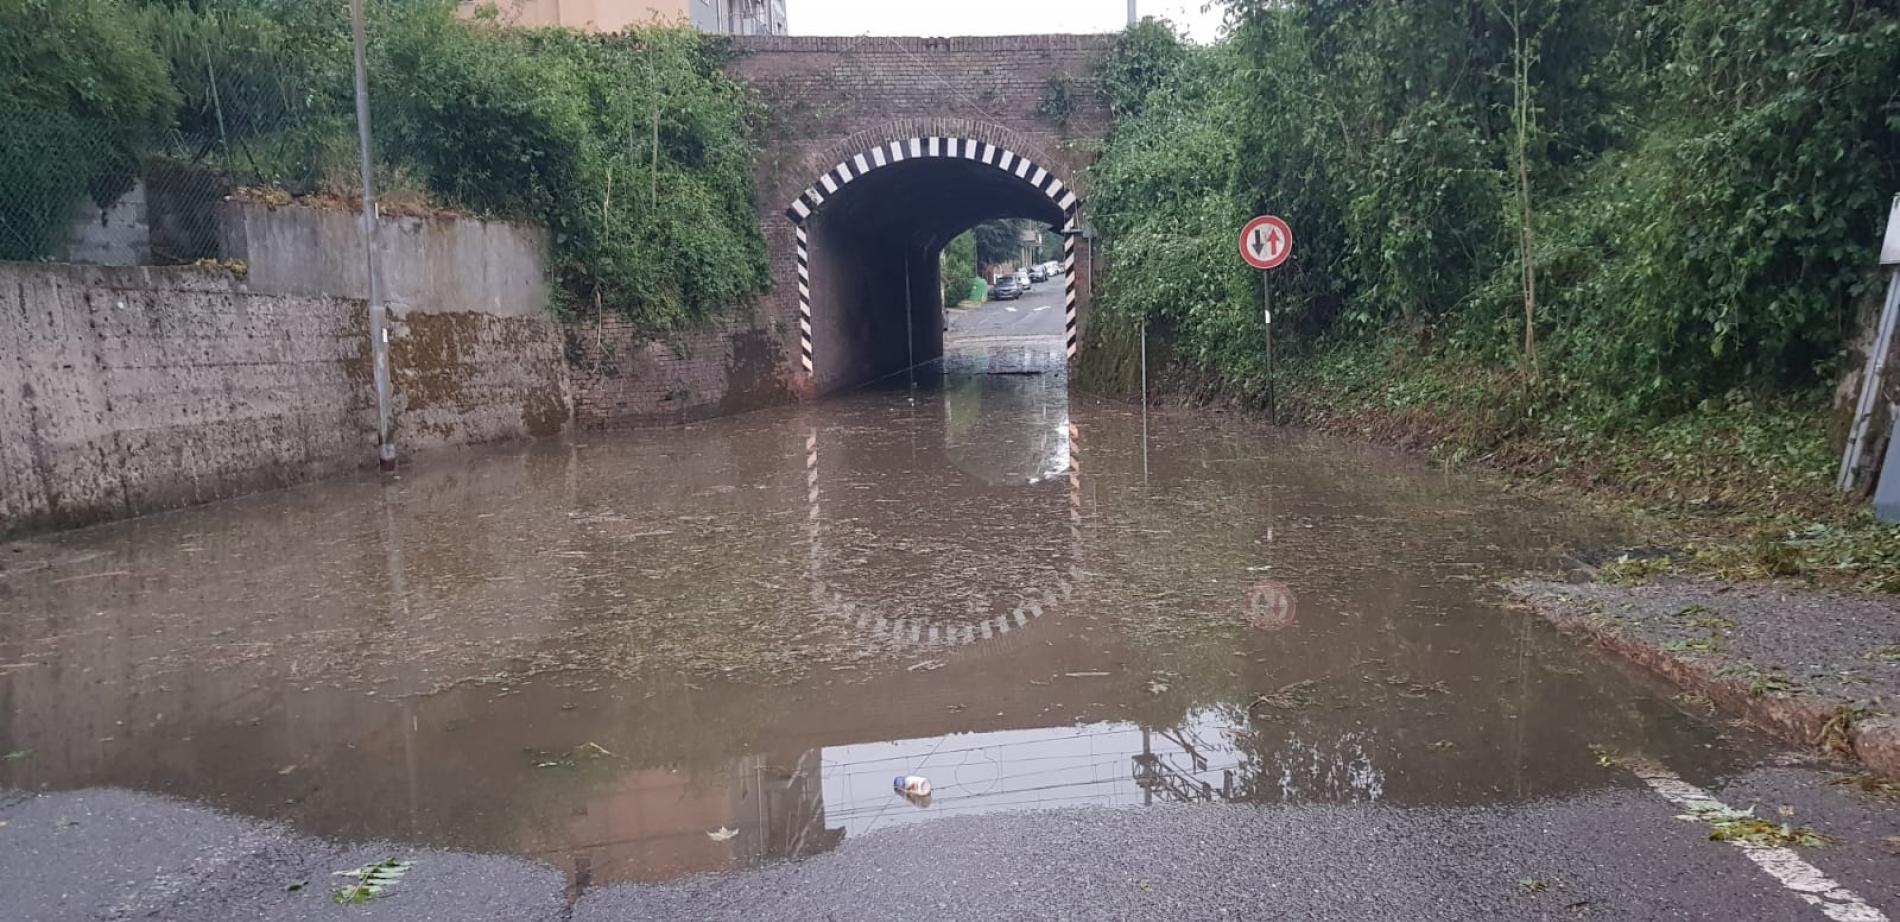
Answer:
(1291, 696)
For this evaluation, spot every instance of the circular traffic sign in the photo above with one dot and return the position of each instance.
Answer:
(1266, 242)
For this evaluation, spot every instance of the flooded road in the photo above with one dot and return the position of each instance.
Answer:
(643, 655)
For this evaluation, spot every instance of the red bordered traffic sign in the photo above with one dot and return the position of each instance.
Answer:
(1266, 242)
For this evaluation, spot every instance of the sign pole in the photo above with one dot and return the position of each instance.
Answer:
(1144, 398)
(1265, 244)
(1266, 312)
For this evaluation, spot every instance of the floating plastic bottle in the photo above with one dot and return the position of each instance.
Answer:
(911, 785)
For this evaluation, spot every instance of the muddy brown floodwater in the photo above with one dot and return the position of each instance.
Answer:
(648, 654)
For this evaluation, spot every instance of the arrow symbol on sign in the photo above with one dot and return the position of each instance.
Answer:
(1260, 241)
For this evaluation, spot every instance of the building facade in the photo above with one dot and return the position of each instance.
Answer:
(728, 17)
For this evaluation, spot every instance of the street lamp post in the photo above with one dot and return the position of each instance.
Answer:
(378, 313)
(1132, 16)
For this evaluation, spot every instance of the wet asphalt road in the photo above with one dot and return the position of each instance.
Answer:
(1618, 853)
(1038, 313)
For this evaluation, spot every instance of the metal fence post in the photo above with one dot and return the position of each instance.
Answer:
(378, 313)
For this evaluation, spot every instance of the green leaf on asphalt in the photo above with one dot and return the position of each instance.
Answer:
(372, 881)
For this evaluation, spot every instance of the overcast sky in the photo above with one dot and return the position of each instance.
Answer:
(990, 17)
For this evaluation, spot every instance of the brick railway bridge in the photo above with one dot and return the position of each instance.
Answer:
(876, 152)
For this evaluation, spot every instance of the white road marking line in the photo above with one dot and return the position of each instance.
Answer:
(1010, 309)
(1794, 872)
(1042, 308)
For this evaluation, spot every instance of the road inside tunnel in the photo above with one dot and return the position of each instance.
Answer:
(871, 232)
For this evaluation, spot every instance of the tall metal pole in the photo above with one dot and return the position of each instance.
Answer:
(910, 332)
(1132, 16)
(378, 314)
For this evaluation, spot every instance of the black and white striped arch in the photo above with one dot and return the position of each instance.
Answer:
(836, 178)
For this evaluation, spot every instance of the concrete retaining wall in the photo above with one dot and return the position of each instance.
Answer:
(467, 268)
(127, 391)
(430, 265)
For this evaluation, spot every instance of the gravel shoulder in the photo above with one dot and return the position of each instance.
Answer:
(1816, 668)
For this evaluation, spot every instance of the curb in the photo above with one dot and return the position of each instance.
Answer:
(1807, 721)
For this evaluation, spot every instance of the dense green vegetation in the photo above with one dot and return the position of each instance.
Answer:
(82, 93)
(1519, 222)
(1704, 183)
(631, 149)
(958, 270)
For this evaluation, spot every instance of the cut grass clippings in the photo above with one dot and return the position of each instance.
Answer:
(1745, 827)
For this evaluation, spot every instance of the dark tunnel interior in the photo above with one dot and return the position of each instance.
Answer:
(886, 228)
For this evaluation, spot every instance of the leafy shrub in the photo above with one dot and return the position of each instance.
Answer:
(541, 125)
(557, 127)
(958, 274)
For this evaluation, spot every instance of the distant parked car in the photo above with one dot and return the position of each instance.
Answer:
(1007, 288)
(1022, 278)
(1038, 273)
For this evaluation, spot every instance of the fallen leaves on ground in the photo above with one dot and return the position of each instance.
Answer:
(1870, 786)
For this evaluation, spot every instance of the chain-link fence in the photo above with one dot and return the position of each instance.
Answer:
(126, 126)
(103, 170)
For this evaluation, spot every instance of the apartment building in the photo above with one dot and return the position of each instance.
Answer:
(729, 17)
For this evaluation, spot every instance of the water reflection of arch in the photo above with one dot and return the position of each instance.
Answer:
(1016, 475)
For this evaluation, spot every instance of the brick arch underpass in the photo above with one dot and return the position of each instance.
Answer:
(875, 152)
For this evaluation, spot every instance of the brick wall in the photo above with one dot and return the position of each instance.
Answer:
(827, 98)
(619, 378)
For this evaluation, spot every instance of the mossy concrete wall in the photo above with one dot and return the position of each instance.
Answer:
(125, 391)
